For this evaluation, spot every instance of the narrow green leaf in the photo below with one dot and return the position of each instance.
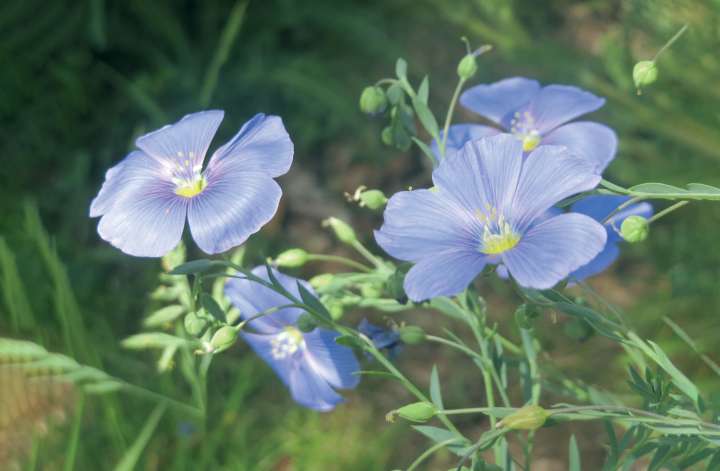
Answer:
(438, 435)
(423, 92)
(152, 340)
(212, 307)
(574, 455)
(196, 267)
(312, 302)
(426, 117)
(164, 316)
(425, 149)
(435, 391)
(131, 457)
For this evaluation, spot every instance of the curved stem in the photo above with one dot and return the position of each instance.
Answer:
(362, 250)
(667, 211)
(430, 451)
(670, 42)
(338, 259)
(448, 117)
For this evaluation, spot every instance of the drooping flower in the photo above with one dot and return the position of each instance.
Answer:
(146, 198)
(537, 115)
(599, 207)
(310, 364)
(383, 339)
(488, 206)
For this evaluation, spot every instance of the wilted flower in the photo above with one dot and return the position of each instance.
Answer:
(599, 207)
(146, 198)
(537, 115)
(383, 339)
(310, 364)
(489, 206)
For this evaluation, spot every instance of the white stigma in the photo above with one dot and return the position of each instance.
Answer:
(286, 343)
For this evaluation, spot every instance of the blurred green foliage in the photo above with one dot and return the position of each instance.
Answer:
(81, 79)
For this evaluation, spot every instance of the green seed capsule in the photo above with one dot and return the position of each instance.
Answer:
(635, 229)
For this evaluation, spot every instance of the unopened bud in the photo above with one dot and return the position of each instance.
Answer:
(223, 339)
(306, 323)
(635, 229)
(467, 67)
(415, 412)
(372, 199)
(321, 281)
(194, 325)
(411, 334)
(373, 100)
(370, 291)
(526, 418)
(644, 74)
(292, 258)
(342, 230)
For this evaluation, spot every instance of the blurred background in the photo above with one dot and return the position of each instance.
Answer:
(80, 80)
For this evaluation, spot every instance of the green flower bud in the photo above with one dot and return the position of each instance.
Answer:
(415, 412)
(644, 74)
(321, 281)
(306, 323)
(194, 325)
(370, 291)
(526, 418)
(336, 310)
(387, 136)
(373, 100)
(223, 339)
(467, 67)
(635, 229)
(292, 258)
(411, 334)
(372, 199)
(343, 231)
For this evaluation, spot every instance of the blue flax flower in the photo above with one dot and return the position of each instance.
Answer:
(310, 364)
(383, 339)
(599, 207)
(489, 206)
(146, 198)
(537, 115)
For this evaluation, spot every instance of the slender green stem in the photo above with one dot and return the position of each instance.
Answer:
(670, 42)
(613, 187)
(401, 377)
(531, 356)
(362, 250)
(427, 453)
(155, 397)
(386, 81)
(455, 345)
(339, 259)
(667, 211)
(622, 206)
(448, 117)
(74, 441)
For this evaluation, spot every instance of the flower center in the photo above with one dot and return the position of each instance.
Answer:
(190, 187)
(287, 342)
(498, 235)
(522, 127)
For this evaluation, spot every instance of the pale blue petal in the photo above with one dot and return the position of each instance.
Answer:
(443, 274)
(262, 346)
(553, 249)
(599, 264)
(233, 206)
(112, 187)
(335, 363)
(557, 104)
(498, 101)
(419, 223)
(142, 215)
(459, 134)
(311, 390)
(262, 145)
(550, 174)
(188, 139)
(252, 298)
(592, 141)
(484, 174)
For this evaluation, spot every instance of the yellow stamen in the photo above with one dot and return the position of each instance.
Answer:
(188, 189)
